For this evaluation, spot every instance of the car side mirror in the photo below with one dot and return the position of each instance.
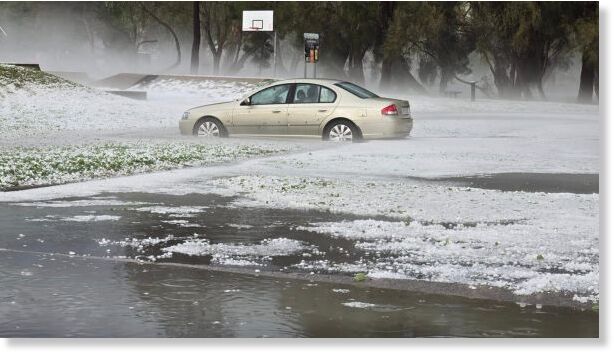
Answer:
(246, 102)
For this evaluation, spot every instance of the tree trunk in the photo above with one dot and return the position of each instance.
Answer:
(194, 61)
(281, 69)
(235, 61)
(386, 15)
(596, 86)
(444, 80)
(587, 80)
(216, 61)
(386, 73)
(170, 29)
(356, 71)
(400, 77)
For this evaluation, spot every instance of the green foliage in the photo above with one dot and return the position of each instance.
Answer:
(52, 165)
(360, 277)
(522, 42)
(15, 77)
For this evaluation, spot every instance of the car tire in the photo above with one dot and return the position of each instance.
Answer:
(342, 131)
(209, 127)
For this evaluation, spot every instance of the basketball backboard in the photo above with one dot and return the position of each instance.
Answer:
(258, 20)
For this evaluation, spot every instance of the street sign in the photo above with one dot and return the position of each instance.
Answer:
(261, 20)
(312, 47)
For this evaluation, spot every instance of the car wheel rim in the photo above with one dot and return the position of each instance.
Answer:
(340, 132)
(208, 129)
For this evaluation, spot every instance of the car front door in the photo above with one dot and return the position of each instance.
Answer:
(265, 112)
(310, 104)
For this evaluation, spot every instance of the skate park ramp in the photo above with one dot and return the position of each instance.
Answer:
(124, 81)
(82, 78)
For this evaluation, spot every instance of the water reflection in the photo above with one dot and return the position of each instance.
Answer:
(94, 298)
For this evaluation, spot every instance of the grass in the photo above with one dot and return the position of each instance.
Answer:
(25, 167)
(19, 77)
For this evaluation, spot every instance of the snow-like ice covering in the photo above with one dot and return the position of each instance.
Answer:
(528, 256)
(139, 244)
(185, 91)
(41, 108)
(181, 223)
(76, 203)
(239, 226)
(239, 254)
(90, 218)
(528, 242)
(429, 104)
(356, 304)
(39, 103)
(407, 199)
(173, 210)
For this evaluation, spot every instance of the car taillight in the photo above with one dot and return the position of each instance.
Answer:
(390, 110)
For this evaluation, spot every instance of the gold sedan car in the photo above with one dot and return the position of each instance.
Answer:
(332, 109)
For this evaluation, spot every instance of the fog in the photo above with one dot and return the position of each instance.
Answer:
(73, 38)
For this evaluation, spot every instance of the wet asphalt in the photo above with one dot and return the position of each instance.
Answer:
(58, 280)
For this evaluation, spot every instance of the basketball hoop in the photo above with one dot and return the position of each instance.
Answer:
(258, 21)
(257, 25)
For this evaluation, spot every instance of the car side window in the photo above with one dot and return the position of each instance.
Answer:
(270, 96)
(327, 95)
(306, 93)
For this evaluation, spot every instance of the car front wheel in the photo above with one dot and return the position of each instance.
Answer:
(210, 128)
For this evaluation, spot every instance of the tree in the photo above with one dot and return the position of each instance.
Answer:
(438, 33)
(194, 60)
(170, 29)
(586, 30)
(396, 50)
(221, 23)
(521, 42)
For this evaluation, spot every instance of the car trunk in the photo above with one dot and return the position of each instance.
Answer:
(402, 105)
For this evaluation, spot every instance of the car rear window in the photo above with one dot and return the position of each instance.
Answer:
(356, 90)
(327, 95)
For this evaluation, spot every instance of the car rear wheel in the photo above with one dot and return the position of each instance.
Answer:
(210, 127)
(342, 131)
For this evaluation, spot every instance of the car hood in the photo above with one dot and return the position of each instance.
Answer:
(216, 105)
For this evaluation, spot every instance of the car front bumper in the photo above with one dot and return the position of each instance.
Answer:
(186, 126)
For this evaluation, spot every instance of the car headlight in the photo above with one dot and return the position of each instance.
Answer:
(185, 115)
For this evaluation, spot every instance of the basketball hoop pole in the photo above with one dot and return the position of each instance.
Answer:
(274, 54)
(261, 20)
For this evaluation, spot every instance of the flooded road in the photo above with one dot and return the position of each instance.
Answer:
(529, 182)
(101, 267)
(61, 296)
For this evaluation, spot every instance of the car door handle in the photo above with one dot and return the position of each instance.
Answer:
(322, 110)
(276, 111)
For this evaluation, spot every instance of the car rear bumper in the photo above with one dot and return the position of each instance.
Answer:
(388, 127)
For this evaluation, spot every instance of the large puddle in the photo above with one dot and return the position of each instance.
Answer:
(51, 296)
(73, 268)
(529, 182)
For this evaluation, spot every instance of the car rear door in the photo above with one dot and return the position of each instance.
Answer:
(310, 104)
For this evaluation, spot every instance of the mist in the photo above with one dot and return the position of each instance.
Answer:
(80, 37)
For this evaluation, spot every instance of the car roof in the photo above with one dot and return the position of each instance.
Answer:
(309, 80)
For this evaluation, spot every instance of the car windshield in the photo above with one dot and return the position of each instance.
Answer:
(356, 90)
